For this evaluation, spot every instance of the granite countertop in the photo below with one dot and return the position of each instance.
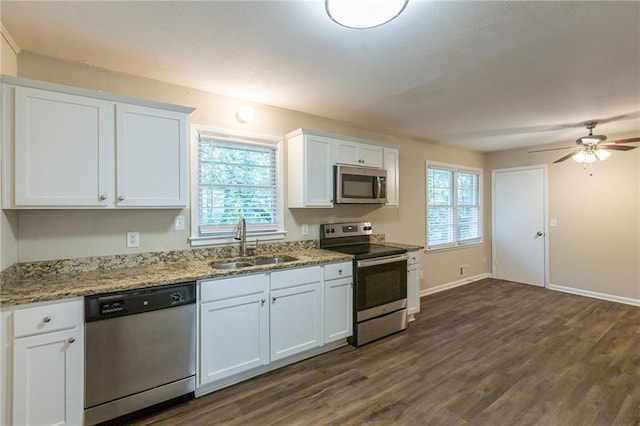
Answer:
(46, 287)
(409, 247)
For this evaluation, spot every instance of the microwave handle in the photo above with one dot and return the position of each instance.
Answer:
(378, 187)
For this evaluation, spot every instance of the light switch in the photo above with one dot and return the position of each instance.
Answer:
(554, 222)
(179, 223)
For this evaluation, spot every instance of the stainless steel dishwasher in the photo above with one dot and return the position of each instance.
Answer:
(140, 349)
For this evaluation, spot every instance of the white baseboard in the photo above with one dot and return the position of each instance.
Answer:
(454, 284)
(595, 295)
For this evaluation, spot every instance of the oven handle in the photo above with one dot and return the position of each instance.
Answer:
(382, 260)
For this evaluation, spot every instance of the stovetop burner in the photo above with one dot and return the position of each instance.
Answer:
(367, 251)
(354, 238)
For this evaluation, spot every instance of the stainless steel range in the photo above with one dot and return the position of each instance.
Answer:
(380, 298)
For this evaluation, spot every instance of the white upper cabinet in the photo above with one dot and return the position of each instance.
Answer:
(357, 154)
(391, 159)
(74, 148)
(309, 170)
(151, 148)
(63, 149)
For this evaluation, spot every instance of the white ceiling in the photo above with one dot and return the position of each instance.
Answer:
(481, 75)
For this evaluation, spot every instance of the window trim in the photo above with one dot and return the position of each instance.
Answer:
(456, 168)
(238, 137)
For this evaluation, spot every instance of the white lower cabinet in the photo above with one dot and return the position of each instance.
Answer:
(296, 311)
(338, 301)
(234, 326)
(249, 322)
(48, 365)
(413, 284)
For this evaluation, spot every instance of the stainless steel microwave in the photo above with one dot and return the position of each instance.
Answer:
(359, 185)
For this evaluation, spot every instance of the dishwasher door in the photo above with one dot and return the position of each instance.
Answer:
(134, 353)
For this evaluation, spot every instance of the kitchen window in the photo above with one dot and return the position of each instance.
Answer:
(454, 207)
(236, 176)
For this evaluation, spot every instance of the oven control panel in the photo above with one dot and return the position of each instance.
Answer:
(351, 229)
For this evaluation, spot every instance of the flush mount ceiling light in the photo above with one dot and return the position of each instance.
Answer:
(362, 14)
(245, 114)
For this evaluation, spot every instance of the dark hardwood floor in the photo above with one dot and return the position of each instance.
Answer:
(489, 353)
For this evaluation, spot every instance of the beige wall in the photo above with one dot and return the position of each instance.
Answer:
(596, 245)
(8, 219)
(63, 234)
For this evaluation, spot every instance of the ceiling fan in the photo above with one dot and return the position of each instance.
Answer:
(593, 147)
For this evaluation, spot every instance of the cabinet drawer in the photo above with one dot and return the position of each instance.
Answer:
(414, 258)
(47, 318)
(228, 288)
(294, 277)
(338, 270)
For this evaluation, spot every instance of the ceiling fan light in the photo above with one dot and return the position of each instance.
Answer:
(362, 14)
(603, 154)
(590, 157)
(579, 157)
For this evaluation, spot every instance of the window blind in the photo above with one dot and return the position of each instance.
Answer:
(236, 180)
(453, 206)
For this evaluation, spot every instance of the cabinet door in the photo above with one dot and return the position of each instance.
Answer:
(63, 149)
(309, 171)
(151, 157)
(393, 178)
(358, 154)
(234, 336)
(347, 153)
(413, 285)
(370, 155)
(48, 374)
(319, 172)
(338, 309)
(296, 315)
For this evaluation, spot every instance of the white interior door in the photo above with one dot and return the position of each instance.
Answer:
(519, 224)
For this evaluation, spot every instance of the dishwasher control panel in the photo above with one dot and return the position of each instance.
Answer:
(111, 305)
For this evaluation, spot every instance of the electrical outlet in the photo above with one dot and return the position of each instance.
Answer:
(304, 229)
(421, 274)
(178, 224)
(133, 239)
(464, 270)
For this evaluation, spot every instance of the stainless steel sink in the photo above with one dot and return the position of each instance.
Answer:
(257, 262)
(231, 265)
(273, 260)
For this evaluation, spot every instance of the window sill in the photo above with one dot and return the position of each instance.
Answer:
(211, 241)
(461, 246)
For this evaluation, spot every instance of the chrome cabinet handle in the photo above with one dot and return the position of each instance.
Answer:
(102, 197)
(339, 271)
(46, 319)
(120, 198)
(262, 302)
(71, 340)
(273, 299)
(538, 234)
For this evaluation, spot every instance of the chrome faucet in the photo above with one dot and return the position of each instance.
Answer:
(241, 235)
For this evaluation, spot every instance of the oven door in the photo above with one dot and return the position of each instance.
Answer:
(381, 286)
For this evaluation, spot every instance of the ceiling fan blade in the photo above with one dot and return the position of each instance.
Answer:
(630, 140)
(566, 157)
(618, 147)
(550, 149)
